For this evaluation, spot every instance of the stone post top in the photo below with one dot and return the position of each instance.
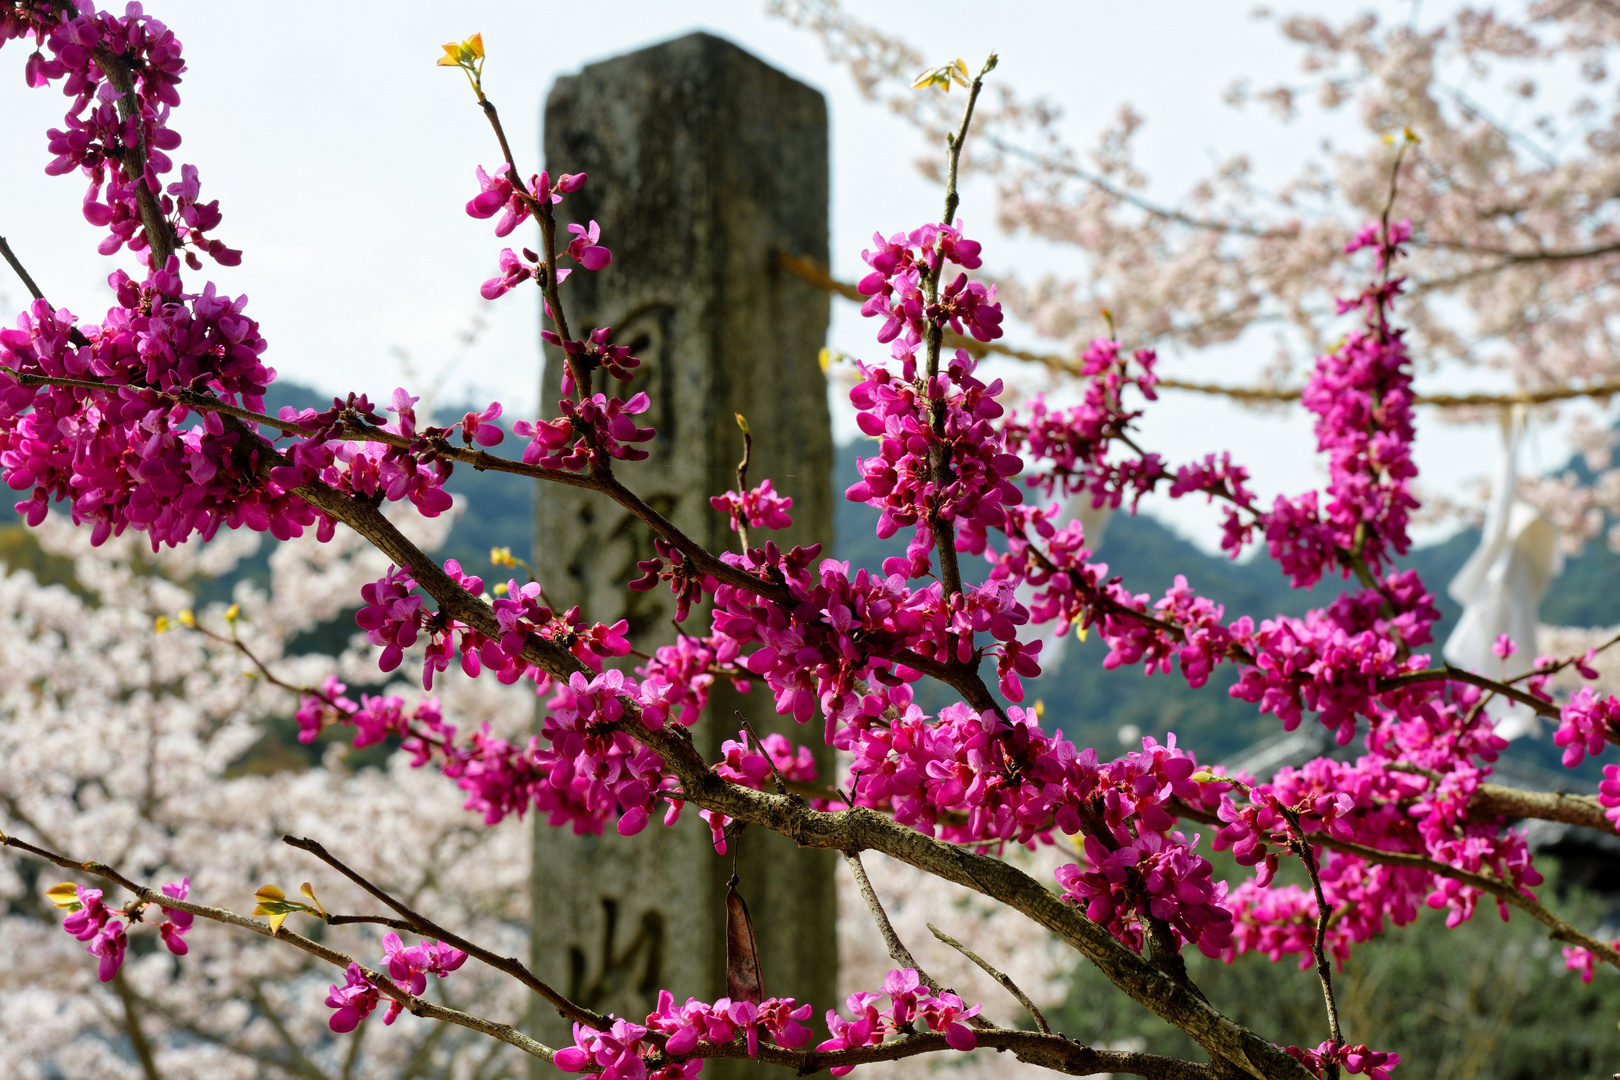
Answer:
(697, 52)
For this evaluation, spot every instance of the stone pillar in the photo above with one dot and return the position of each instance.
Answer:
(704, 164)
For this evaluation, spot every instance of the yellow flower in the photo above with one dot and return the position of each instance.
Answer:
(233, 613)
(187, 619)
(160, 625)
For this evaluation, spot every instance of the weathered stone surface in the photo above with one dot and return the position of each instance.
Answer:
(705, 163)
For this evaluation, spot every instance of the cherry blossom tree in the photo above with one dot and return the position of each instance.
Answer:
(134, 748)
(1511, 265)
(151, 421)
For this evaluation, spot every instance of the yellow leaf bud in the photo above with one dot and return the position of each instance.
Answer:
(64, 896)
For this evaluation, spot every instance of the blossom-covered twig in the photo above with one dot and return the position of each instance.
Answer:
(412, 1003)
(1324, 915)
(421, 924)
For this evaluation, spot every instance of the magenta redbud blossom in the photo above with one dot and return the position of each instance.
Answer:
(175, 922)
(514, 271)
(479, 428)
(584, 248)
(1583, 961)
(1503, 647)
(1587, 724)
(761, 507)
(94, 922)
(353, 1001)
(410, 966)
(1609, 792)
(497, 194)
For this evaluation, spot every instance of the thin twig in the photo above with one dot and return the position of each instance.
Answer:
(20, 270)
(1453, 673)
(1324, 915)
(781, 781)
(742, 481)
(897, 948)
(421, 924)
(939, 459)
(416, 1006)
(1001, 977)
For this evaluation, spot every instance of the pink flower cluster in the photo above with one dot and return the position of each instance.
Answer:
(1584, 961)
(1588, 722)
(1609, 792)
(1355, 1059)
(375, 718)
(394, 617)
(498, 194)
(89, 919)
(897, 288)
(1369, 803)
(900, 481)
(761, 507)
(589, 432)
(1072, 446)
(741, 764)
(909, 1002)
(106, 146)
(373, 470)
(126, 456)
(408, 967)
(623, 1051)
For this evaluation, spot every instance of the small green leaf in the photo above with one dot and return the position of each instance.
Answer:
(65, 896)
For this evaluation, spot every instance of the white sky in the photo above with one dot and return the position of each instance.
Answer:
(342, 158)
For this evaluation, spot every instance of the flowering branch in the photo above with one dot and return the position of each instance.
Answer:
(1324, 915)
(427, 927)
(939, 452)
(415, 1005)
(1055, 1052)
(1519, 898)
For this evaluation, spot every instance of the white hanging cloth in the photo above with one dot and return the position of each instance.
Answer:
(1501, 585)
